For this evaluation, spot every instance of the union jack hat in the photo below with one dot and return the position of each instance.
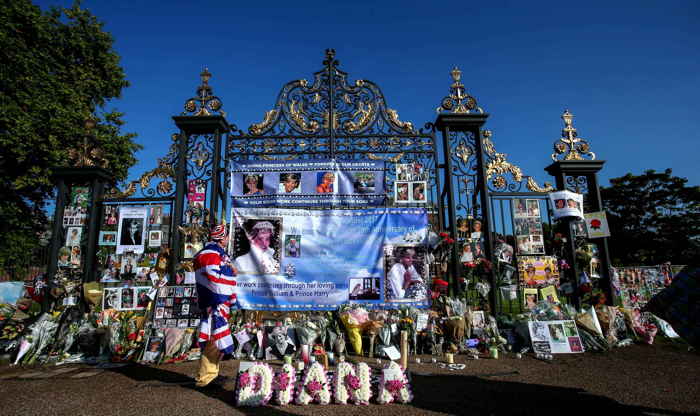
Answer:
(218, 232)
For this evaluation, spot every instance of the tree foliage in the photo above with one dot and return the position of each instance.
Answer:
(58, 69)
(653, 218)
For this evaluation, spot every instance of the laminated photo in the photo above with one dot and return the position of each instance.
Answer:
(597, 224)
(108, 238)
(154, 238)
(73, 236)
(538, 270)
(529, 298)
(549, 294)
(132, 229)
(566, 204)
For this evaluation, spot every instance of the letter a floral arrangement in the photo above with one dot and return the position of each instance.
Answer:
(350, 384)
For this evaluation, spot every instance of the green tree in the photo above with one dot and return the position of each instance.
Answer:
(58, 69)
(653, 218)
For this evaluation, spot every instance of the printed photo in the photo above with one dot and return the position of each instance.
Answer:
(478, 320)
(418, 192)
(256, 246)
(127, 298)
(524, 244)
(182, 323)
(401, 192)
(363, 182)
(326, 183)
(79, 196)
(467, 255)
(519, 208)
(108, 238)
(406, 271)
(476, 230)
(169, 302)
(75, 256)
(73, 236)
(404, 172)
(560, 203)
(110, 217)
(155, 216)
(179, 291)
(538, 331)
(111, 298)
(463, 229)
(194, 323)
(142, 298)
(540, 270)
(253, 184)
(364, 288)
(556, 333)
(129, 265)
(575, 344)
(292, 245)
(185, 310)
(160, 313)
(171, 323)
(132, 232)
(549, 294)
(570, 329)
(289, 183)
(154, 238)
(529, 298)
(533, 208)
(153, 349)
(188, 293)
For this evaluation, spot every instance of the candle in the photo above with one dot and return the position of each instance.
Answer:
(300, 365)
(450, 358)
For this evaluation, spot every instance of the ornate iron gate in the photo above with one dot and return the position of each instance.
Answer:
(331, 117)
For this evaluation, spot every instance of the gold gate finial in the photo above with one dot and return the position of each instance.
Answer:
(570, 146)
(458, 101)
(205, 102)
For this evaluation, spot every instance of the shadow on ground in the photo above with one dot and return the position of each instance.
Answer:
(449, 394)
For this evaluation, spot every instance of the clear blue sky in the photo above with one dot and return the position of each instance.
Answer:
(628, 70)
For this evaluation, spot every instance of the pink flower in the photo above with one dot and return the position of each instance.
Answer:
(244, 380)
(352, 381)
(394, 386)
(282, 381)
(314, 387)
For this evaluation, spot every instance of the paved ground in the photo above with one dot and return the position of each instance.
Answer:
(663, 379)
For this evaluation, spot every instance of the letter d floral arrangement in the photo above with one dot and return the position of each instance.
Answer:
(351, 384)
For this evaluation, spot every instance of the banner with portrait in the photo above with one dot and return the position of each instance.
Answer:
(289, 259)
(308, 183)
(131, 234)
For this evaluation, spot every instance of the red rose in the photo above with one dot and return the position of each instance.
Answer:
(131, 336)
(595, 224)
(444, 234)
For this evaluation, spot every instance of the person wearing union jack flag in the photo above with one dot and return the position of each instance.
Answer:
(214, 276)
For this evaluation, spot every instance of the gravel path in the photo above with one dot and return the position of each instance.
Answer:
(661, 379)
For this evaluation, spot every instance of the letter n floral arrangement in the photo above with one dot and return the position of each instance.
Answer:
(352, 383)
(255, 385)
(314, 386)
(393, 385)
(284, 384)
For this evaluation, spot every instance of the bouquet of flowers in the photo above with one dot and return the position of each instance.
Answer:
(354, 318)
(39, 339)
